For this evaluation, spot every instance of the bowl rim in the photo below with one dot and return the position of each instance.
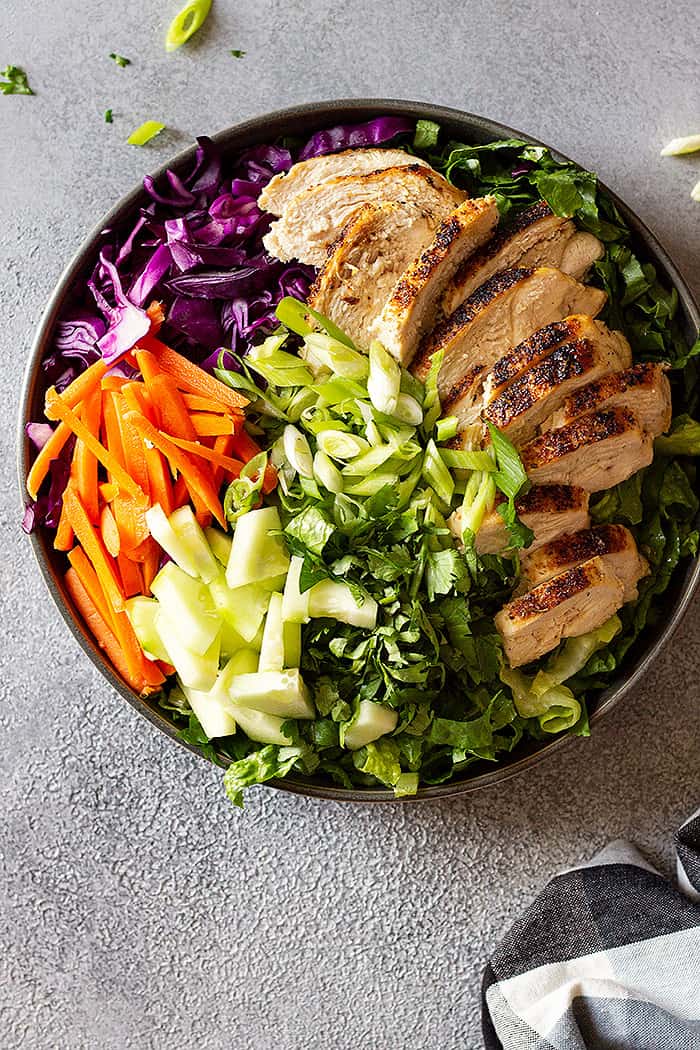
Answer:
(323, 114)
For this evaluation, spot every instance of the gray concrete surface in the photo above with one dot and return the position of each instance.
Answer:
(137, 910)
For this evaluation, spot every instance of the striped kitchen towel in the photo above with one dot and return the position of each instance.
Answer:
(607, 958)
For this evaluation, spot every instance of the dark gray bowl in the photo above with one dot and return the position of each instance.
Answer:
(303, 121)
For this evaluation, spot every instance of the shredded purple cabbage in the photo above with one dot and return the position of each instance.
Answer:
(197, 247)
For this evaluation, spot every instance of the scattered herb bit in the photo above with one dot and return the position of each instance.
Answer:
(237, 53)
(695, 192)
(143, 134)
(426, 135)
(108, 116)
(677, 147)
(186, 23)
(120, 60)
(16, 82)
(512, 480)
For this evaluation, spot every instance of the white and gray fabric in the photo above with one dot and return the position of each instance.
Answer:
(607, 958)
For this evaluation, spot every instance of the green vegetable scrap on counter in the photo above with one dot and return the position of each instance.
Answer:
(15, 82)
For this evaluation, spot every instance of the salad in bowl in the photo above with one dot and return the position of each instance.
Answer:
(369, 455)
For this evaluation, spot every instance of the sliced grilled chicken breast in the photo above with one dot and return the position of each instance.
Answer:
(532, 350)
(366, 261)
(314, 218)
(644, 388)
(529, 399)
(549, 510)
(614, 544)
(413, 306)
(570, 604)
(536, 237)
(596, 451)
(507, 309)
(280, 190)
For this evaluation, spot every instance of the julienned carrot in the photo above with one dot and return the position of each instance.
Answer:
(88, 577)
(127, 449)
(84, 383)
(156, 314)
(45, 457)
(171, 411)
(180, 494)
(111, 434)
(197, 403)
(231, 466)
(135, 397)
(100, 630)
(94, 548)
(64, 538)
(244, 446)
(113, 382)
(84, 465)
(206, 424)
(159, 481)
(132, 445)
(222, 444)
(132, 581)
(109, 531)
(270, 479)
(150, 565)
(191, 377)
(56, 408)
(108, 491)
(199, 483)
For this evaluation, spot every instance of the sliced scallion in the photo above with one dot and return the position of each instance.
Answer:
(436, 473)
(326, 472)
(446, 428)
(298, 452)
(186, 23)
(143, 134)
(384, 380)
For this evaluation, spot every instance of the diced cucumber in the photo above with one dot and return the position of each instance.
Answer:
(370, 722)
(295, 605)
(212, 708)
(257, 555)
(231, 641)
(245, 661)
(243, 608)
(220, 543)
(272, 649)
(335, 599)
(190, 533)
(263, 728)
(142, 614)
(173, 544)
(291, 635)
(196, 671)
(274, 692)
(189, 606)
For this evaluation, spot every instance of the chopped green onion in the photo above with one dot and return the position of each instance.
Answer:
(339, 445)
(108, 116)
(446, 428)
(143, 134)
(186, 23)
(510, 477)
(16, 82)
(408, 410)
(475, 508)
(294, 315)
(337, 356)
(436, 473)
(371, 485)
(298, 452)
(677, 147)
(120, 60)
(326, 472)
(431, 402)
(384, 380)
(405, 489)
(695, 192)
(237, 53)
(426, 135)
(460, 459)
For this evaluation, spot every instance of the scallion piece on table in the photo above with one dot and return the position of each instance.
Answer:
(186, 23)
(120, 60)
(677, 147)
(143, 134)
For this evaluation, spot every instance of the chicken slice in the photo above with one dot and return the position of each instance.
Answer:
(614, 544)
(570, 604)
(535, 237)
(529, 399)
(413, 306)
(314, 218)
(644, 388)
(596, 451)
(507, 309)
(280, 190)
(366, 261)
(549, 510)
(528, 353)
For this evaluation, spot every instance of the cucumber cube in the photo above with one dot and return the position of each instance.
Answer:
(189, 607)
(196, 670)
(272, 650)
(242, 608)
(184, 551)
(273, 692)
(256, 554)
(370, 722)
(190, 533)
(220, 543)
(336, 600)
(212, 709)
(142, 613)
(295, 605)
(258, 726)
